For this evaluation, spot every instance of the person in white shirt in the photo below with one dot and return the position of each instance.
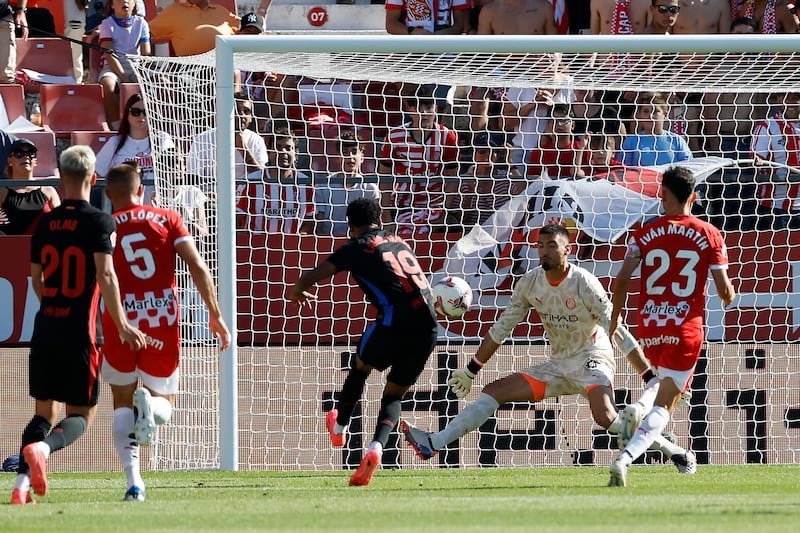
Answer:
(576, 312)
(250, 154)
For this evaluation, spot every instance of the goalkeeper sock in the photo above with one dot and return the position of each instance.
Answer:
(351, 392)
(472, 417)
(162, 409)
(613, 428)
(650, 428)
(127, 448)
(388, 417)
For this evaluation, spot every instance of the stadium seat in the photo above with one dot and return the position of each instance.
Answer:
(46, 159)
(93, 139)
(69, 108)
(126, 90)
(46, 56)
(14, 100)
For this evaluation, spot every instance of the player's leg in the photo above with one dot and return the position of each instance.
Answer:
(159, 373)
(37, 429)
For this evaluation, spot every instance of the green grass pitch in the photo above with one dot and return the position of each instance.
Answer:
(755, 499)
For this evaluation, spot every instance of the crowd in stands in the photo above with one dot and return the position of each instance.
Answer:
(430, 177)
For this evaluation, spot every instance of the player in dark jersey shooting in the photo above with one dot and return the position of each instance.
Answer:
(402, 336)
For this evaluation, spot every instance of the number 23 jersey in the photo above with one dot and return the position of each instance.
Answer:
(144, 258)
(676, 254)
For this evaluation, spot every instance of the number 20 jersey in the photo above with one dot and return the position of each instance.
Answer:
(676, 254)
(144, 258)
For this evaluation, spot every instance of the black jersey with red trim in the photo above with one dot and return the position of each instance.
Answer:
(386, 269)
(64, 243)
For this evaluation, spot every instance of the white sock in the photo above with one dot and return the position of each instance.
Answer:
(44, 447)
(649, 395)
(126, 446)
(666, 447)
(375, 446)
(162, 409)
(650, 428)
(473, 416)
(23, 482)
(613, 428)
(338, 428)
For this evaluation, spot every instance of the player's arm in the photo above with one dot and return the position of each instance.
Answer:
(724, 286)
(299, 293)
(109, 288)
(37, 279)
(620, 294)
(187, 251)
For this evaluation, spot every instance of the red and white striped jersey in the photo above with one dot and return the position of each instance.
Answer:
(273, 207)
(777, 139)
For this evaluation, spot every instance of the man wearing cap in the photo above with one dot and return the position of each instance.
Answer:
(191, 27)
(251, 24)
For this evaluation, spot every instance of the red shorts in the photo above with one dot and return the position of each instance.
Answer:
(676, 349)
(159, 358)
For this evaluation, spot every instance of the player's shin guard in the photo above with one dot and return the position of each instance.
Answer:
(66, 432)
(351, 392)
(472, 417)
(36, 431)
(388, 417)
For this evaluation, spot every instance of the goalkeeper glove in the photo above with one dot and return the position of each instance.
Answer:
(461, 382)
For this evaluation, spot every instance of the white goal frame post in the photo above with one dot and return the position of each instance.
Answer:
(457, 61)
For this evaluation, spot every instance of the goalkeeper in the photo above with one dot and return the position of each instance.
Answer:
(575, 312)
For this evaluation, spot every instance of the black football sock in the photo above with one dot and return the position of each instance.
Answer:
(66, 432)
(388, 417)
(351, 392)
(36, 430)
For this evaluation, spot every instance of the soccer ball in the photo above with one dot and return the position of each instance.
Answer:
(453, 296)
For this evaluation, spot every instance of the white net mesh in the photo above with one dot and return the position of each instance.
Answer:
(501, 111)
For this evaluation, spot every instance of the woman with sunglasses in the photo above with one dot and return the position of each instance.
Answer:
(24, 205)
(132, 143)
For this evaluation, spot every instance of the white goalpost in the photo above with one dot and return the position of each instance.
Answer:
(261, 404)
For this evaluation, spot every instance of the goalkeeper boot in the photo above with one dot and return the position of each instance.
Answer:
(631, 418)
(145, 426)
(369, 464)
(134, 494)
(37, 463)
(21, 497)
(419, 440)
(337, 439)
(619, 473)
(686, 463)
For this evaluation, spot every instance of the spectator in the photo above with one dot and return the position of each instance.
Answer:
(663, 16)
(560, 154)
(777, 140)
(343, 187)
(526, 111)
(618, 17)
(426, 152)
(277, 199)
(24, 205)
(444, 17)
(127, 33)
(191, 26)
(602, 148)
(250, 150)
(132, 143)
(6, 141)
(590, 115)
(684, 118)
(652, 144)
(75, 12)
(770, 16)
(710, 16)
(517, 17)
(488, 184)
(11, 18)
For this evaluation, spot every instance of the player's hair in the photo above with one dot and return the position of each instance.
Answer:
(555, 229)
(76, 164)
(125, 177)
(680, 182)
(364, 212)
